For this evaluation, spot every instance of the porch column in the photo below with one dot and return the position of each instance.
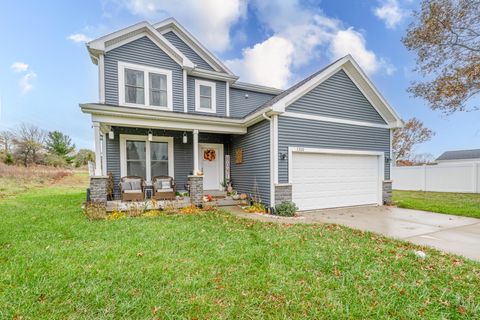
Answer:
(98, 149)
(195, 152)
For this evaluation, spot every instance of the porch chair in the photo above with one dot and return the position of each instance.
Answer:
(132, 188)
(163, 188)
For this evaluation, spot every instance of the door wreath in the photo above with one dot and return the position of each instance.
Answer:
(209, 155)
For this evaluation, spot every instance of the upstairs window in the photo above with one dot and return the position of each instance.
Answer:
(205, 96)
(143, 86)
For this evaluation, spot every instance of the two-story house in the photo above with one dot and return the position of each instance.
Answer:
(167, 106)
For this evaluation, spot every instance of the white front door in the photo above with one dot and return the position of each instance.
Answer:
(211, 163)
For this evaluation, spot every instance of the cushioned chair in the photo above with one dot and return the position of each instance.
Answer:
(163, 188)
(132, 188)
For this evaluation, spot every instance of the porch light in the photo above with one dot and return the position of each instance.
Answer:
(283, 156)
(150, 135)
(111, 135)
(185, 138)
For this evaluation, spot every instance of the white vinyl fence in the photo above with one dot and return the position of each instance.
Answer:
(441, 178)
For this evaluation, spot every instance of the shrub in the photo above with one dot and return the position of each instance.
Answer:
(256, 207)
(95, 210)
(286, 209)
(8, 159)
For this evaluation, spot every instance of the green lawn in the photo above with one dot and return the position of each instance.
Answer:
(460, 204)
(54, 264)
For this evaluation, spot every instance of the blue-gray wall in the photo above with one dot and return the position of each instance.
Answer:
(240, 105)
(294, 132)
(141, 51)
(256, 161)
(182, 153)
(221, 88)
(337, 97)
(187, 51)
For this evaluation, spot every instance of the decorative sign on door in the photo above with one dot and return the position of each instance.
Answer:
(227, 166)
(209, 155)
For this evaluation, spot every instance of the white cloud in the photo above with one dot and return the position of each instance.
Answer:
(26, 81)
(79, 38)
(265, 63)
(308, 35)
(390, 12)
(19, 66)
(209, 20)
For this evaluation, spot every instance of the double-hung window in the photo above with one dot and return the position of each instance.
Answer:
(144, 158)
(143, 86)
(205, 96)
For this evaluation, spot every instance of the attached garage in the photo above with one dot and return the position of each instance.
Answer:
(323, 178)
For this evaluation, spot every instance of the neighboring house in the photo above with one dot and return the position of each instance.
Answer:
(459, 157)
(167, 105)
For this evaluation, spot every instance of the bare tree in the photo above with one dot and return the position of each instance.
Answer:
(404, 139)
(6, 141)
(445, 35)
(29, 143)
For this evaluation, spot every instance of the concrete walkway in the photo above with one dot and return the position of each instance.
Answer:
(453, 234)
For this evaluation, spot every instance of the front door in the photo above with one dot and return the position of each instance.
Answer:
(211, 163)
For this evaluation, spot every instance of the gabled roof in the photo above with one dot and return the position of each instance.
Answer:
(280, 102)
(120, 37)
(171, 24)
(460, 155)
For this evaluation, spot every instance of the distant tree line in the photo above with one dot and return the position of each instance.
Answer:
(30, 145)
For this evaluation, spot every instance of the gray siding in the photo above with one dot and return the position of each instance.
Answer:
(141, 51)
(293, 132)
(256, 161)
(187, 51)
(182, 153)
(240, 105)
(337, 97)
(221, 88)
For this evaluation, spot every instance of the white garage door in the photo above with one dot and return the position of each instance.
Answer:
(321, 180)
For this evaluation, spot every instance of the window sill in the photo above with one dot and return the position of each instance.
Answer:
(143, 106)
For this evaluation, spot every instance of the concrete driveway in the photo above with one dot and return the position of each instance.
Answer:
(454, 234)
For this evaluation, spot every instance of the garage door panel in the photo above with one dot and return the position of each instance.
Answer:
(322, 180)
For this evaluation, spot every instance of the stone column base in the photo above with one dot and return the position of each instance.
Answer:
(387, 192)
(196, 190)
(283, 192)
(98, 189)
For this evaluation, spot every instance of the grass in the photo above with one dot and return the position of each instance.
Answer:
(460, 204)
(55, 264)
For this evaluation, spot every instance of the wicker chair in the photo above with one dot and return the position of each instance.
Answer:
(162, 192)
(132, 193)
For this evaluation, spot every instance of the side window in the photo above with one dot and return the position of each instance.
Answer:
(205, 96)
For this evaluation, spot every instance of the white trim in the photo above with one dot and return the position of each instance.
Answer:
(227, 99)
(101, 78)
(123, 153)
(98, 46)
(146, 81)
(185, 95)
(104, 154)
(256, 88)
(213, 89)
(195, 152)
(221, 163)
(274, 139)
(335, 120)
(98, 148)
(381, 162)
(171, 24)
(214, 75)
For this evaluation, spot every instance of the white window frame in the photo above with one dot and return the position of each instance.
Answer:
(146, 80)
(123, 153)
(212, 86)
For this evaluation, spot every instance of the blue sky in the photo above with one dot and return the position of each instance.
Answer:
(45, 70)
